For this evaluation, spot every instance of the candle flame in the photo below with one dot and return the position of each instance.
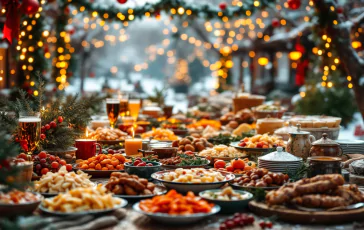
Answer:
(86, 132)
(43, 108)
(132, 132)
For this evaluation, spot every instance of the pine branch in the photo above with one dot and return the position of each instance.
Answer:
(41, 89)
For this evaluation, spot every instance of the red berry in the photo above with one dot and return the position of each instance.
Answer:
(223, 5)
(122, 1)
(42, 136)
(223, 227)
(52, 158)
(44, 171)
(149, 164)
(268, 224)
(23, 156)
(137, 162)
(275, 22)
(242, 144)
(53, 124)
(294, 4)
(60, 119)
(250, 219)
(16, 139)
(42, 129)
(62, 162)
(38, 167)
(47, 126)
(237, 220)
(242, 222)
(259, 145)
(339, 10)
(230, 223)
(55, 165)
(42, 155)
(110, 151)
(262, 224)
(142, 164)
(57, 158)
(69, 167)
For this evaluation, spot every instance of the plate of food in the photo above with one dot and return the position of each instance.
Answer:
(82, 201)
(129, 186)
(260, 178)
(107, 135)
(228, 199)
(159, 134)
(51, 184)
(102, 165)
(194, 208)
(222, 152)
(192, 144)
(259, 143)
(18, 203)
(195, 180)
(237, 166)
(326, 194)
(185, 160)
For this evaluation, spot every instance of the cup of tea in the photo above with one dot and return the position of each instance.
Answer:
(86, 148)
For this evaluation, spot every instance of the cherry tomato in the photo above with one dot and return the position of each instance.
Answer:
(42, 136)
(52, 158)
(44, 171)
(230, 168)
(189, 153)
(219, 164)
(230, 223)
(62, 162)
(55, 165)
(47, 126)
(250, 219)
(69, 167)
(149, 164)
(60, 119)
(42, 155)
(23, 156)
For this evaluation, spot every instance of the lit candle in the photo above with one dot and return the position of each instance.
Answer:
(132, 145)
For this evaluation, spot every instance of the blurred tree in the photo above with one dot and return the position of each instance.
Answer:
(197, 71)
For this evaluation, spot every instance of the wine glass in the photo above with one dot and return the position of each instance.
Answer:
(112, 110)
(29, 131)
(124, 107)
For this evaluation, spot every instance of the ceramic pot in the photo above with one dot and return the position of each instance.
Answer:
(325, 147)
(323, 165)
(299, 143)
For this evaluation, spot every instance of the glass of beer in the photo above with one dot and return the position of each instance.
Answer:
(112, 110)
(29, 131)
(134, 107)
(123, 97)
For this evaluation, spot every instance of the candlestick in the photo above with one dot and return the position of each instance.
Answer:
(132, 146)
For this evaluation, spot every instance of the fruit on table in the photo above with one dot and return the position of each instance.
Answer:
(160, 134)
(125, 184)
(192, 144)
(219, 164)
(238, 220)
(140, 163)
(44, 162)
(236, 166)
(261, 178)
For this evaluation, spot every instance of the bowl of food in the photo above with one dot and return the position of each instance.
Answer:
(229, 200)
(18, 203)
(195, 180)
(177, 209)
(262, 111)
(164, 152)
(143, 169)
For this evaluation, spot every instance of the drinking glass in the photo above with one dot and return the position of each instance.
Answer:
(134, 107)
(29, 131)
(123, 98)
(112, 110)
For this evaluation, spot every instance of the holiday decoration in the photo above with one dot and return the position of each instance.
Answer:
(122, 1)
(29, 6)
(11, 27)
(275, 22)
(223, 5)
(340, 10)
(294, 4)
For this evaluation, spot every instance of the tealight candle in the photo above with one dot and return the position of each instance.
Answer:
(133, 145)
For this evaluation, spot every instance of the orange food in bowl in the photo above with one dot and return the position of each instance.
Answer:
(103, 162)
(238, 164)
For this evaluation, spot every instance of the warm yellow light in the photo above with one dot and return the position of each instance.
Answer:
(60, 49)
(47, 55)
(30, 60)
(295, 55)
(302, 94)
(323, 84)
(263, 61)
(173, 11)
(40, 43)
(94, 14)
(35, 92)
(350, 85)
(324, 78)
(45, 33)
(330, 84)
(319, 52)
(22, 57)
(336, 60)
(114, 70)
(229, 64)
(181, 10)
(324, 37)
(348, 78)
(356, 44)
(32, 83)
(251, 54)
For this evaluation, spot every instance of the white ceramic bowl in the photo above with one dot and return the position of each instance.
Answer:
(177, 219)
(193, 187)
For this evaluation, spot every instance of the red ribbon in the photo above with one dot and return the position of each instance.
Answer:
(12, 23)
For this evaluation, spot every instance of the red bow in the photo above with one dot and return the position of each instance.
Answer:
(12, 23)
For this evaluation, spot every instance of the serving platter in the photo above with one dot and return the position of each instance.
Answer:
(177, 219)
(22, 209)
(255, 150)
(306, 217)
(91, 212)
(99, 173)
(160, 191)
(193, 187)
